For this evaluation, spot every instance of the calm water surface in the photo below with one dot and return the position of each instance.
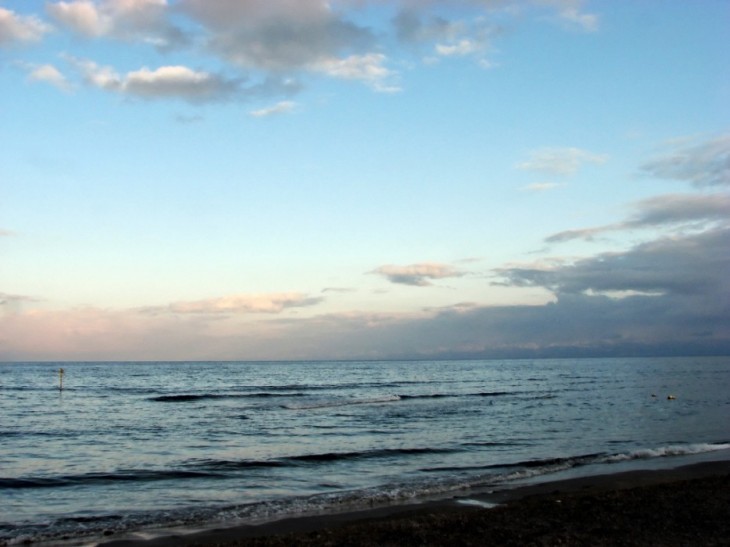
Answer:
(127, 446)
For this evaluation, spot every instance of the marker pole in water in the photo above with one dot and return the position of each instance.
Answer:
(60, 379)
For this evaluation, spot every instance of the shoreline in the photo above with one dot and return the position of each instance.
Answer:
(619, 507)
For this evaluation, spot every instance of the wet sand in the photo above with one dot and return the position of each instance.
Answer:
(684, 506)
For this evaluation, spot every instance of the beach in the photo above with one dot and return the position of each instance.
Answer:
(689, 505)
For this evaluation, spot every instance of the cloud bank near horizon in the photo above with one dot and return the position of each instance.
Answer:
(664, 296)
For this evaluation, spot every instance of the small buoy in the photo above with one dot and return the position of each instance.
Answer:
(671, 397)
(60, 379)
(653, 394)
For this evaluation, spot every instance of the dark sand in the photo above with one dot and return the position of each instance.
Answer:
(684, 506)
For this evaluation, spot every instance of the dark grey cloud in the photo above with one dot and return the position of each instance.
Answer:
(665, 297)
(676, 300)
(414, 27)
(279, 35)
(572, 325)
(694, 264)
(701, 164)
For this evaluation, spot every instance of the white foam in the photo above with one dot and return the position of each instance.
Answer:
(665, 451)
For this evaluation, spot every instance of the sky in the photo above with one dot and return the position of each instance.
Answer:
(362, 179)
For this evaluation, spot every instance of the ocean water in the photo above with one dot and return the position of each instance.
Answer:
(129, 447)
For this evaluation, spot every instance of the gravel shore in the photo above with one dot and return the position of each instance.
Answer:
(685, 506)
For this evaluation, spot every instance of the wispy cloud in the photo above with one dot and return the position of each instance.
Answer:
(339, 290)
(672, 209)
(282, 107)
(560, 161)
(542, 186)
(571, 13)
(241, 304)
(6, 298)
(12, 304)
(369, 68)
(417, 275)
(415, 26)
(187, 119)
(701, 164)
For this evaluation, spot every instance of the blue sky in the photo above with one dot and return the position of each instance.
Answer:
(240, 179)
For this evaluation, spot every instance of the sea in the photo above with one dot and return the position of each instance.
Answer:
(135, 449)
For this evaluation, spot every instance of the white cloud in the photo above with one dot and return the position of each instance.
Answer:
(560, 161)
(95, 75)
(144, 20)
(367, 68)
(165, 82)
(417, 274)
(16, 28)
(176, 81)
(81, 16)
(50, 75)
(281, 107)
(461, 48)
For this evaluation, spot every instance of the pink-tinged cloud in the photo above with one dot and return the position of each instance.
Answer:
(144, 20)
(245, 303)
(418, 275)
(17, 29)
(51, 75)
